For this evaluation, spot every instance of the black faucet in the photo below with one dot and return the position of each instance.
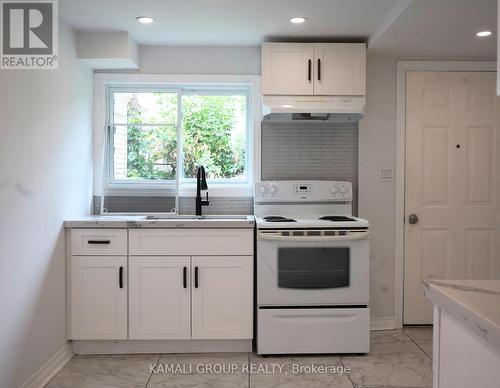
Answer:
(201, 184)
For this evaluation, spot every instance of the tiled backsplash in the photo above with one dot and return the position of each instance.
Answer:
(127, 204)
(311, 151)
(218, 205)
(290, 150)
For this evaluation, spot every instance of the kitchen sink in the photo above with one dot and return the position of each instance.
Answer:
(189, 217)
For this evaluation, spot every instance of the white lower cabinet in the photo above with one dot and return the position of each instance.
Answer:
(199, 297)
(163, 290)
(98, 297)
(222, 297)
(159, 297)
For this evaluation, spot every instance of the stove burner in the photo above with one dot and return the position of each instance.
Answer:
(278, 219)
(336, 218)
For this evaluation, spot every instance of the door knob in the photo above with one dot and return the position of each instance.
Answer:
(413, 219)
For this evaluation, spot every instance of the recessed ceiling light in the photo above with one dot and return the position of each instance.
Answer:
(298, 19)
(287, 106)
(145, 19)
(483, 34)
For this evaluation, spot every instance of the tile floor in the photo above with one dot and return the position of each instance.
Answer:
(398, 358)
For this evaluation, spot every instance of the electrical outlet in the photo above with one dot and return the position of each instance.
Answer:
(385, 174)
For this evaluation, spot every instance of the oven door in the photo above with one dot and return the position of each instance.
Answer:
(321, 270)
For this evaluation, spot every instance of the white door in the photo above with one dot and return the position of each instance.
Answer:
(452, 182)
(98, 297)
(222, 297)
(287, 68)
(339, 69)
(159, 297)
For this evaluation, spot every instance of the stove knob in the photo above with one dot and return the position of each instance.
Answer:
(263, 190)
(343, 189)
(273, 190)
(334, 190)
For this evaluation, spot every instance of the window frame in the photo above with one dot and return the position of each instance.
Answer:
(181, 84)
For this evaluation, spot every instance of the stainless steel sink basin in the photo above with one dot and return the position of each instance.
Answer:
(189, 217)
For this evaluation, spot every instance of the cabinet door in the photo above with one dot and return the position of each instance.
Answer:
(287, 68)
(222, 297)
(340, 69)
(98, 297)
(159, 297)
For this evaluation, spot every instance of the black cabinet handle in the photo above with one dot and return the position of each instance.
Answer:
(195, 277)
(309, 70)
(99, 242)
(319, 69)
(184, 277)
(120, 278)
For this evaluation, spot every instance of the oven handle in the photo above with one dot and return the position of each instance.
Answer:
(266, 236)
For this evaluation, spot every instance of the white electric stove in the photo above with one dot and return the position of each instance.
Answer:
(312, 269)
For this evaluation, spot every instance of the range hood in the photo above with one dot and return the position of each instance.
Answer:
(313, 105)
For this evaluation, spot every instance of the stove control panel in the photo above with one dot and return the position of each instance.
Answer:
(303, 191)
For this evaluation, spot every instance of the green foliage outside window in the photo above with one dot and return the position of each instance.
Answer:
(213, 135)
(208, 125)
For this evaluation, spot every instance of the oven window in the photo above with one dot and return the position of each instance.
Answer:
(313, 267)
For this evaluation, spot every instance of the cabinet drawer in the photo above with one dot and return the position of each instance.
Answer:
(191, 242)
(320, 330)
(98, 242)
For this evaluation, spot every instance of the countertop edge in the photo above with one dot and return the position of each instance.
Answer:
(483, 327)
(247, 223)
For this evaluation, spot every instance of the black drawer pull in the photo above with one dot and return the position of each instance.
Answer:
(195, 277)
(120, 277)
(99, 242)
(319, 69)
(309, 70)
(184, 277)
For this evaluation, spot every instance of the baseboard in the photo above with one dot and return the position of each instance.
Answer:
(48, 370)
(161, 346)
(383, 323)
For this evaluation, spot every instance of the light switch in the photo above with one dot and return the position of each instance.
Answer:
(385, 174)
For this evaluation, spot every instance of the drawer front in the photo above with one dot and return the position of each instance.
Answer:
(192, 242)
(327, 330)
(90, 242)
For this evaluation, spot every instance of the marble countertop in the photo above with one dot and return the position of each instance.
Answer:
(476, 303)
(230, 221)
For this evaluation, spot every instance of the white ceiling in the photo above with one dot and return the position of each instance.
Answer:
(405, 28)
(228, 22)
(441, 28)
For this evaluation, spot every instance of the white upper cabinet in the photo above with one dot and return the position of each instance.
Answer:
(340, 69)
(287, 68)
(319, 69)
(159, 297)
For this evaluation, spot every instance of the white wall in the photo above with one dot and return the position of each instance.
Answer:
(377, 199)
(377, 148)
(45, 177)
(199, 60)
(376, 142)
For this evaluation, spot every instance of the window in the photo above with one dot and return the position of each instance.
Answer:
(160, 136)
(144, 136)
(214, 135)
